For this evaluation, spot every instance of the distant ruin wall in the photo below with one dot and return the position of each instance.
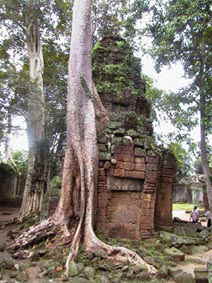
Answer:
(187, 194)
(11, 185)
(163, 207)
(182, 193)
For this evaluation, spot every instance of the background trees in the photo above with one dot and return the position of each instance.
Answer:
(118, 18)
(29, 24)
(181, 31)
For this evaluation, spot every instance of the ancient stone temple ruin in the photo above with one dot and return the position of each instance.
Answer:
(135, 176)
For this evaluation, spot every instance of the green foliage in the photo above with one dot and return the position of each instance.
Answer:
(115, 69)
(96, 47)
(18, 162)
(183, 206)
(55, 185)
(118, 17)
(55, 71)
(6, 169)
(154, 95)
(181, 156)
(120, 43)
(181, 31)
(15, 86)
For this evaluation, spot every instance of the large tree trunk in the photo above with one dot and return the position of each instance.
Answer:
(203, 120)
(36, 175)
(81, 159)
(7, 139)
(205, 197)
(203, 148)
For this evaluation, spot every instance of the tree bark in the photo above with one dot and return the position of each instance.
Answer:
(203, 148)
(203, 119)
(7, 139)
(205, 197)
(35, 185)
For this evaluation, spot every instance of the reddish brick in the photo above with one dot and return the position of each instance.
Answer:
(145, 219)
(125, 165)
(135, 174)
(152, 177)
(152, 166)
(146, 205)
(152, 159)
(139, 166)
(129, 158)
(168, 172)
(128, 165)
(167, 179)
(120, 164)
(119, 172)
(139, 152)
(147, 197)
(124, 148)
(101, 181)
(101, 186)
(125, 157)
(139, 160)
(101, 164)
(118, 149)
(102, 172)
(119, 157)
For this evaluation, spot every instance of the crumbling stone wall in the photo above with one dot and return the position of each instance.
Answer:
(11, 185)
(126, 192)
(132, 169)
(182, 193)
(7, 182)
(163, 206)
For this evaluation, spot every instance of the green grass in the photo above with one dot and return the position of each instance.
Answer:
(183, 206)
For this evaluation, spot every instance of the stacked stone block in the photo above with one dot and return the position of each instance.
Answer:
(135, 176)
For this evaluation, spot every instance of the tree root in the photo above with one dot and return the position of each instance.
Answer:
(115, 254)
(34, 235)
(47, 229)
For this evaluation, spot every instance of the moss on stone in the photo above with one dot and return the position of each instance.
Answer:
(115, 68)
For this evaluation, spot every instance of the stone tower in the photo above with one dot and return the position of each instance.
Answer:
(136, 177)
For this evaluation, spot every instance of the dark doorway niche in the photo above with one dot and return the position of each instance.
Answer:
(117, 184)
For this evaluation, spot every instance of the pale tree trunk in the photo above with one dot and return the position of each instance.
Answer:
(203, 148)
(81, 159)
(203, 119)
(8, 134)
(68, 206)
(36, 175)
(205, 197)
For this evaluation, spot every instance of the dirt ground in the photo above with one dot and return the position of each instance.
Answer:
(191, 262)
(7, 214)
(185, 216)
